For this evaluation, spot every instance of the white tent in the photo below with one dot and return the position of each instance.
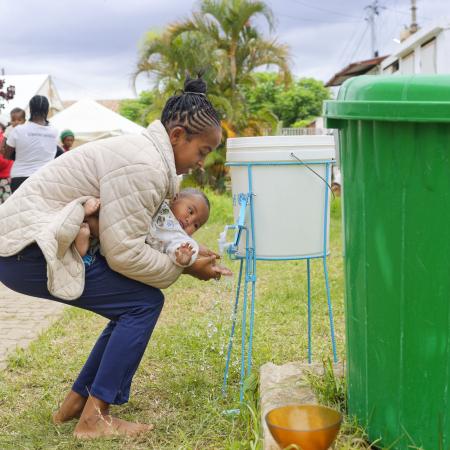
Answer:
(90, 121)
(26, 87)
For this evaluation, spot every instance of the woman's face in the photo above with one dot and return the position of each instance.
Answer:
(190, 151)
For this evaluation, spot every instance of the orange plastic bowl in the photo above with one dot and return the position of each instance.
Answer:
(310, 427)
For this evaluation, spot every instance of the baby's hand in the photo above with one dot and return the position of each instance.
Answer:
(183, 254)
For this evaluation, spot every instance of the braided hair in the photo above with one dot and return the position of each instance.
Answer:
(39, 107)
(191, 109)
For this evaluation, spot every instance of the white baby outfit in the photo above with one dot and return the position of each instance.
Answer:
(166, 235)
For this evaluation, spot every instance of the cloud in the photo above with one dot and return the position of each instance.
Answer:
(91, 46)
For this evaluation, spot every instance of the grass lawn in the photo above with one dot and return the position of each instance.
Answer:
(178, 385)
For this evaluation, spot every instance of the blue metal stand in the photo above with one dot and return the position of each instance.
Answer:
(246, 209)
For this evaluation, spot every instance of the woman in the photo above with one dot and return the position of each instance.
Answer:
(34, 142)
(132, 175)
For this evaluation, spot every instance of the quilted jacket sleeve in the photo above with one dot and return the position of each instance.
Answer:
(129, 198)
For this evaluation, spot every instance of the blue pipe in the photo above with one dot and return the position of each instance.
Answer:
(308, 270)
(233, 325)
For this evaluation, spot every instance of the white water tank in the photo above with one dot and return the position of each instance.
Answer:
(289, 200)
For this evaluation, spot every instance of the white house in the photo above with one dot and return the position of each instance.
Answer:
(427, 51)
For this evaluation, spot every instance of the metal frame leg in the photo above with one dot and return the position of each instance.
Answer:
(233, 326)
(330, 309)
(308, 276)
(252, 320)
(243, 339)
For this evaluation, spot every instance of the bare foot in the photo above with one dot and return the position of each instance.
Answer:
(107, 425)
(96, 422)
(91, 206)
(183, 254)
(82, 239)
(71, 408)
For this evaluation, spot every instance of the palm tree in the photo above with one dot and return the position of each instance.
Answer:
(227, 24)
(220, 39)
(166, 59)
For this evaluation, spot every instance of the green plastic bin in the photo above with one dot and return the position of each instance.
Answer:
(394, 142)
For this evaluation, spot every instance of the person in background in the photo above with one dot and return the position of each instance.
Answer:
(3, 126)
(5, 169)
(34, 143)
(17, 117)
(67, 139)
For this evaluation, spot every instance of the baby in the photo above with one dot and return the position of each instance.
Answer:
(169, 231)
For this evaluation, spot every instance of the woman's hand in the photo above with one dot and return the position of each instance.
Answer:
(205, 268)
(205, 251)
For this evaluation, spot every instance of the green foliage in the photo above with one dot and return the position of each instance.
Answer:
(221, 38)
(138, 110)
(295, 105)
(329, 388)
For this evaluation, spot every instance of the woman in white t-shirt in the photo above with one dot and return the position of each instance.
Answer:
(34, 142)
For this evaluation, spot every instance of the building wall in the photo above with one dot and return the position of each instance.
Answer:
(426, 51)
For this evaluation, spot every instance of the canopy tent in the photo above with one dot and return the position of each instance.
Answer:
(26, 87)
(90, 121)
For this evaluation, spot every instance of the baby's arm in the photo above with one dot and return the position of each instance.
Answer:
(183, 253)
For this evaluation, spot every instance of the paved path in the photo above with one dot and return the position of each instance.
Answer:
(22, 318)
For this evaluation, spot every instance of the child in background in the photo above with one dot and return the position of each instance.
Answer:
(67, 139)
(169, 231)
(17, 116)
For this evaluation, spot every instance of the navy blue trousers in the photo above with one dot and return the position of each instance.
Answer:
(132, 307)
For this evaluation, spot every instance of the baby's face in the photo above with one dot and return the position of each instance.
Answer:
(191, 211)
(17, 119)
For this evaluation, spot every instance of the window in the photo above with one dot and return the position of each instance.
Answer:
(407, 65)
(391, 68)
(428, 57)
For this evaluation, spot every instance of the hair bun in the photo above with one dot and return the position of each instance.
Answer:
(195, 85)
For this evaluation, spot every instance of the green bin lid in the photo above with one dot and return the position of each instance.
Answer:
(400, 98)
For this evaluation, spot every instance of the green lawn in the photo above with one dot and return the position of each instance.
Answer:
(178, 385)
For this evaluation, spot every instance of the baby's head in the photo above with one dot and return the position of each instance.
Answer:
(17, 117)
(191, 208)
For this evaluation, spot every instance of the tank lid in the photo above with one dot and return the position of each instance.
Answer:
(405, 98)
(260, 142)
(280, 148)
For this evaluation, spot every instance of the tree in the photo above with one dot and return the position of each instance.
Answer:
(221, 38)
(296, 105)
(138, 110)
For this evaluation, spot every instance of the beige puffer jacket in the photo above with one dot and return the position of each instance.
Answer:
(132, 175)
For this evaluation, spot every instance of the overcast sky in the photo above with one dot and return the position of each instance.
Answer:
(90, 47)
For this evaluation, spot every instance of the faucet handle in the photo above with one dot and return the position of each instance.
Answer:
(222, 241)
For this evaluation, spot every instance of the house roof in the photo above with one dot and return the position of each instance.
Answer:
(354, 69)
